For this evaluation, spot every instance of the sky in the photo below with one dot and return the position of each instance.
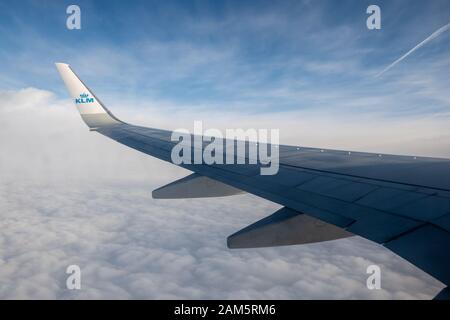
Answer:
(309, 68)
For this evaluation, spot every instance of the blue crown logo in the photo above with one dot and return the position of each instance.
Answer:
(84, 98)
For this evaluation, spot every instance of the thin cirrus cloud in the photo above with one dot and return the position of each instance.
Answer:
(434, 35)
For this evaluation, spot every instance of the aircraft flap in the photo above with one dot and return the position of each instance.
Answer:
(285, 227)
(195, 186)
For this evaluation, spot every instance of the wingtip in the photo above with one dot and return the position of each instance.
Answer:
(61, 64)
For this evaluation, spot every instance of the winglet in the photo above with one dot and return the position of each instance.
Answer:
(92, 111)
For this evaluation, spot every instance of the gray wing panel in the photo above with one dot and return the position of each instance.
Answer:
(417, 171)
(443, 222)
(428, 248)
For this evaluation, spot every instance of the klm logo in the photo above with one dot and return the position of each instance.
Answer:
(84, 98)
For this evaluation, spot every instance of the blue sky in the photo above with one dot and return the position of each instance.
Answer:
(238, 56)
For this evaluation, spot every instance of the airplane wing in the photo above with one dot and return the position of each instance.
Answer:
(401, 202)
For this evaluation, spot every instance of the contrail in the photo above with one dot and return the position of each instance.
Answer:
(431, 37)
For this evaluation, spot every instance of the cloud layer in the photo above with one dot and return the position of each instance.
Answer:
(69, 196)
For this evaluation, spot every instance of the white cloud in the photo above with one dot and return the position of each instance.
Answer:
(70, 196)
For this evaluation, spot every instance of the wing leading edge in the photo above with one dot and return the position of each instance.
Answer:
(400, 202)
